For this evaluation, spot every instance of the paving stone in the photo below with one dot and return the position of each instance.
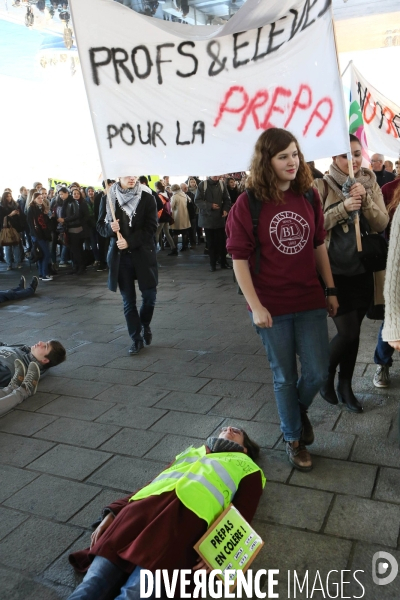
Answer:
(133, 442)
(311, 552)
(130, 416)
(48, 540)
(78, 433)
(234, 389)
(275, 465)
(323, 415)
(175, 382)
(24, 423)
(364, 520)
(376, 451)
(362, 560)
(172, 445)
(92, 511)
(249, 348)
(212, 357)
(132, 362)
(265, 392)
(19, 451)
(268, 411)
(133, 395)
(178, 367)
(294, 506)
(62, 572)
(12, 480)
(365, 424)
(185, 424)
(171, 354)
(249, 361)
(337, 476)
(187, 402)
(9, 520)
(127, 474)
(256, 374)
(219, 371)
(15, 586)
(69, 461)
(265, 434)
(388, 486)
(236, 408)
(52, 497)
(77, 387)
(116, 376)
(77, 408)
(37, 401)
(332, 444)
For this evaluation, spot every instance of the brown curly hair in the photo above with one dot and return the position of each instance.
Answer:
(395, 201)
(262, 180)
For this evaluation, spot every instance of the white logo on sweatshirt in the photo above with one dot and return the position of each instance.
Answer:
(289, 232)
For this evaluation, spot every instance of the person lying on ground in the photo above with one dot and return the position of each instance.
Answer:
(23, 384)
(157, 527)
(21, 291)
(45, 354)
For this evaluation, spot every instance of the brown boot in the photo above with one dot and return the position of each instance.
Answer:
(298, 456)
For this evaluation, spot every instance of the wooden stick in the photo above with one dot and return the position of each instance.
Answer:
(357, 219)
(119, 236)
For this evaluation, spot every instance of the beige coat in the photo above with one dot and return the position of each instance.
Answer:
(179, 211)
(373, 209)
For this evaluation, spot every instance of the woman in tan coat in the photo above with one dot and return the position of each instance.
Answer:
(355, 286)
(180, 215)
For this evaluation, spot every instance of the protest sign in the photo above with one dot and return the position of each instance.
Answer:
(374, 119)
(230, 544)
(177, 98)
(53, 182)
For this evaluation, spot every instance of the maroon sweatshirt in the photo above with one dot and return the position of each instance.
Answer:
(288, 233)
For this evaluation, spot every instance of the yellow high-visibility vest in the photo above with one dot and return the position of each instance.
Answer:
(204, 483)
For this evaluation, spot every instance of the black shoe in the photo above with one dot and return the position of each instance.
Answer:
(147, 335)
(226, 266)
(213, 268)
(184, 248)
(34, 283)
(101, 267)
(307, 434)
(136, 347)
(174, 252)
(22, 283)
(327, 391)
(348, 398)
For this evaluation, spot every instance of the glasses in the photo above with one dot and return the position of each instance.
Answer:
(376, 160)
(234, 429)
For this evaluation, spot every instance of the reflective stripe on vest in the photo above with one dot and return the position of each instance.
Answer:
(204, 483)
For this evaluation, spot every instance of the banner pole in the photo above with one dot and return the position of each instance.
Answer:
(349, 157)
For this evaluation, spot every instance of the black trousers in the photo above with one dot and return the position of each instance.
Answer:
(76, 248)
(216, 245)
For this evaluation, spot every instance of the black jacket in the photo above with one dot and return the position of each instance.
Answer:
(71, 213)
(384, 176)
(16, 221)
(140, 238)
(39, 223)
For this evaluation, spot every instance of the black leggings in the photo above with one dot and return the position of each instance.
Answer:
(344, 346)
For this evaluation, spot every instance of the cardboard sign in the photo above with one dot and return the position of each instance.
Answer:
(230, 544)
(174, 98)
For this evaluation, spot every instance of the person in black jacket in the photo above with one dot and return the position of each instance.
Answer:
(131, 255)
(71, 218)
(11, 214)
(40, 229)
(378, 167)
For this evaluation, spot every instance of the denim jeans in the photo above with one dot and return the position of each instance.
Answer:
(126, 281)
(9, 252)
(304, 334)
(43, 262)
(16, 294)
(105, 581)
(383, 352)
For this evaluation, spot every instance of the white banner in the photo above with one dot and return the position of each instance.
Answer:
(375, 116)
(174, 98)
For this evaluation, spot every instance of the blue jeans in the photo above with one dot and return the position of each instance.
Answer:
(305, 334)
(16, 294)
(9, 252)
(383, 352)
(105, 581)
(43, 262)
(126, 281)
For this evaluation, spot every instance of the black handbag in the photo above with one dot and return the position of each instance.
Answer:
(374, 248)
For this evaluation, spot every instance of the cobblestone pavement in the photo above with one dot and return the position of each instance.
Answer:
(104, 423)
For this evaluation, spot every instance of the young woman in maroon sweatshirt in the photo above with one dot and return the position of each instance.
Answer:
(286, 300)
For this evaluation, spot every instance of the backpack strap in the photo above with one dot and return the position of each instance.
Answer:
(255, 207)
(309, 196)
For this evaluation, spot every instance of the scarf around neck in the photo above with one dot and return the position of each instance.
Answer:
(221, 445)
(336, 179)
(128, 200)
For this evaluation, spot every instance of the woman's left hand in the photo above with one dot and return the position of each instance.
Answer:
(201, 564)
(357, 190)
(332, 305)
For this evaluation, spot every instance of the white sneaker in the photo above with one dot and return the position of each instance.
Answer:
(381, 377)
(47, 278)
(32, 377)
